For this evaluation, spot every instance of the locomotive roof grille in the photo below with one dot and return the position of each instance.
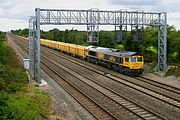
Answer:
(112, 51)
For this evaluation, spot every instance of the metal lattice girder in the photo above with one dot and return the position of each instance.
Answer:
(162, 43)
(137, 33)
(83, 17)
(121, 26)
(92, 33)
(34, 45)
(121, 33)
(93, 26)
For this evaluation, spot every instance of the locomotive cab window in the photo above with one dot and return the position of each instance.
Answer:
(120, 60)
(92, 53)
(139, 59)
(117, 59)
(106, 57)
(133, 59)
(127, 59)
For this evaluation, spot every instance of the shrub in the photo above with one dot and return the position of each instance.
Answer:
(23, 106)
(12, 79)
(18, 100)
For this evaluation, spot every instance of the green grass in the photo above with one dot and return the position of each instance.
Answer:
(175, 70)
(12, 79)
(19, 100)
(25, 105)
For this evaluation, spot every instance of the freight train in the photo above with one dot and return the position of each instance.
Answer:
(126, 62)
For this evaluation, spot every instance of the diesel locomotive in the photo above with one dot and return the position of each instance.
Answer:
(126, 62)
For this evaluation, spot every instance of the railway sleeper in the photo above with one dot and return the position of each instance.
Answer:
(136, 109)
(127, 104)
(152, 118)
(146, 115)
(142, 113)
(132, 106)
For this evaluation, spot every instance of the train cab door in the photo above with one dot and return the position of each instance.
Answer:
(126, 61)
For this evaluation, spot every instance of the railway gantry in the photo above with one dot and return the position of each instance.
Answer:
(93, 18)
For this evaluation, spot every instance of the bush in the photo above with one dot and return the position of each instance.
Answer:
(4, 52)
(3, 105)
(174, 70)
(18, 99)
(12, 79)
(29, 105)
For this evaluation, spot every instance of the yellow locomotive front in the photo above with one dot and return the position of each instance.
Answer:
(123, 61)
(136, 64)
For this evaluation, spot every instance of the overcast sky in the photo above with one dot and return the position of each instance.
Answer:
(14, 14)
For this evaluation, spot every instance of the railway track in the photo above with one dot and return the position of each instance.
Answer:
(121, 100)
(140, 111)
(147, 80)
(165, 98)
(90, 105)
(133, 108)
(159, 84)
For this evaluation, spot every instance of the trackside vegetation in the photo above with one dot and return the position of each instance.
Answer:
(147, 47)
(19, 100)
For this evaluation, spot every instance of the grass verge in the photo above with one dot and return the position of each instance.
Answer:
(19, 100)
(174, 70)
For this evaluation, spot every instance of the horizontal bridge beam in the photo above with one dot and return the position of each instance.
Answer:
(100, 17)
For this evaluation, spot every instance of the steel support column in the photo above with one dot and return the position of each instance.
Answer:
(137, 33)
(37, 47)
(92, 33)
(162, 43)
(121, 33)
(93, 26)
(32, 33)
(121, 25)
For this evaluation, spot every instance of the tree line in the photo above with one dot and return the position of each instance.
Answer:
(147, 46)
